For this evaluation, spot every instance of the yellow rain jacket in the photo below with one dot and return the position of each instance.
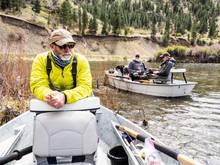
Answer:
(61, 78)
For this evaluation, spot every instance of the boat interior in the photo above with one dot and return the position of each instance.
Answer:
(79, 134)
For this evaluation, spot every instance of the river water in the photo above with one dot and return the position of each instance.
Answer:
(190, 125)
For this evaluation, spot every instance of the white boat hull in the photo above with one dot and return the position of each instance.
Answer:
(176, 89)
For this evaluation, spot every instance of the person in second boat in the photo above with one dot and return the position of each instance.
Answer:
(136, 68)
(165, 67)
(60, 76)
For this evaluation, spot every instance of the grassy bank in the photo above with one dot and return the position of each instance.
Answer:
(14, 86)
(197, 54)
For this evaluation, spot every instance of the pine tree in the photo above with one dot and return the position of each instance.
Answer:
(116, 25)
(166, 35)
(93, 26)
(166, 8)
(103, 11)
(189, 22)
(80, 20)
(96, 11)
(104, 27)
(213, 27)
(193, 33)
(84, 21)
(13, 4)
(90, 26)
(65, 13)
(153, 27)
(176, 5)
(36, 6)
(203, 27)
(115, 19)
(218, 8)
(5, 4)
(19, 4)
(74, 15)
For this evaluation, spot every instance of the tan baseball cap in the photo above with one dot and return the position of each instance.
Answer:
(61, 37)
(166, 54)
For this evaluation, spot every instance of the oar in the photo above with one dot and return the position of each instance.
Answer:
(177, 156)
(15, 155)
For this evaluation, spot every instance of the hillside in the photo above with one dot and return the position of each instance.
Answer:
(114, 30)
(22, 38)
(190, 19)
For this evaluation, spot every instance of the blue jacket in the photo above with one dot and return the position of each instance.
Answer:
(165, 68)
(136, 65)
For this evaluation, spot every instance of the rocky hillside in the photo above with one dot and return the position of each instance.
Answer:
(24, 38)
(20, 37)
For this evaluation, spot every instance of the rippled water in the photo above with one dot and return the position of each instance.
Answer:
(189, 124)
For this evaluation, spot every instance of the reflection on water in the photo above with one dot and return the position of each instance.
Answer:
(189, 124)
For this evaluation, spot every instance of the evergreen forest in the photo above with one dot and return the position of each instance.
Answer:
(189, 18)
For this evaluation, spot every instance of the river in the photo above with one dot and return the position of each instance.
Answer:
(190, 125)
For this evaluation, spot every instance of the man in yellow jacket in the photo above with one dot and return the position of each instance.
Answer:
(60, 76)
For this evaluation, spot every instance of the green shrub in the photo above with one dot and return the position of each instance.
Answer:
(125, 58)
(174, 50)
(177, 35)
(201, 42)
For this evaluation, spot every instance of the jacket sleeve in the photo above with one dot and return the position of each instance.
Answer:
(165, 71)
(131, 67)
(39, 83)
(83, 82)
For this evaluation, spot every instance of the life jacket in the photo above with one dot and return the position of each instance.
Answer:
(74, 71)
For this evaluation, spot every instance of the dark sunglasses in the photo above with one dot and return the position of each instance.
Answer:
(65, 46)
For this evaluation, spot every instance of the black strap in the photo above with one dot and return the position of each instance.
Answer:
(49, 68)
(52, 160)
(78, 158)
(74, 71)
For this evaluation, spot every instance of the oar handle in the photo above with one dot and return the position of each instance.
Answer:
(129, 131)
(186, 160)
(180, 157)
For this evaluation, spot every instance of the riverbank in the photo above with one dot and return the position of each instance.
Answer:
(197, 54)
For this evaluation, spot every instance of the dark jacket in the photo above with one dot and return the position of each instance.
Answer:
(136, 65)
(165, 68)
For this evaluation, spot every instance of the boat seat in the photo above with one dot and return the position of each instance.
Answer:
(63, 134)
(163, 79)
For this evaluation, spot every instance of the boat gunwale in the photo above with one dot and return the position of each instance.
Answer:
(153, 84)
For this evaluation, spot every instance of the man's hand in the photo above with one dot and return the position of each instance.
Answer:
(55, 99)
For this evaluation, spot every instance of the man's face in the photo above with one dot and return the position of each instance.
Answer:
(64, 50)
(165, 58)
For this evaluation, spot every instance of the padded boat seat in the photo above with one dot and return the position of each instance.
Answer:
(68, 133)
(163, 79)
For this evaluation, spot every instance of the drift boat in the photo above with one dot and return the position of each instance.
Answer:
(169, 88)
(45, 135)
